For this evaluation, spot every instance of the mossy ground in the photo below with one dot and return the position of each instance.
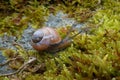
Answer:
(91, 56)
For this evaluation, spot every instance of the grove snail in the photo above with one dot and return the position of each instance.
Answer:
(48, 39)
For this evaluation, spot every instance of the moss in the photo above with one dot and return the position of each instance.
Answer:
(20, 17)
(9, 53)
(2, 78)
(90, 56)
(34, 77)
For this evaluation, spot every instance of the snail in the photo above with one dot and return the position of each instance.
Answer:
(48, 39)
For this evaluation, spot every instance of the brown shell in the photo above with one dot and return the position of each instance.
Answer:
(50, 31)
(39, 47)
(53, 40)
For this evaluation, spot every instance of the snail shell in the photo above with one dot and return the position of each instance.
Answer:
(45, 37)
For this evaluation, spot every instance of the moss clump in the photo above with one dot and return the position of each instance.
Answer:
(9, 53)
(20, 17)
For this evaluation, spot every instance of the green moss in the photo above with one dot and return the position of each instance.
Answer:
(9, 53)
(90, 56)
(5, 78)
(35, 77)
(20, 17)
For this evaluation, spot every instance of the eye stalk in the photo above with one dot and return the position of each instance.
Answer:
(37, 39)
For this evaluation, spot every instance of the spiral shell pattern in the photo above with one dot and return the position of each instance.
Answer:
(44, 38)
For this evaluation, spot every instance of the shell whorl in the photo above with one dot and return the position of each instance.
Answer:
(44, 37)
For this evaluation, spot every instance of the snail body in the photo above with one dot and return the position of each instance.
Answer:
(43, 38)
